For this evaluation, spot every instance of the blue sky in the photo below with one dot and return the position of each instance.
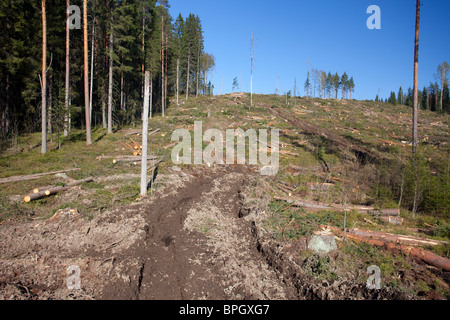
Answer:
(331, 34)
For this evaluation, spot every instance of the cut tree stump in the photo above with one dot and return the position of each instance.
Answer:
(54, 190)
(34, 176)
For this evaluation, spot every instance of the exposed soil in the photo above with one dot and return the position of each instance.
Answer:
(198, 237)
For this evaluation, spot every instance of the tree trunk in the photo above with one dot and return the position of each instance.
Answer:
(50, 103)
(162, 65)
(151, 95)
(145, 136)
(86, 75)
(251, 71)
(66, 99)
(178, 79)
(416, 81)
(110, 88)
(188, 72)
(44, 79)
(166, 76)
(143, 59)
(92, 66)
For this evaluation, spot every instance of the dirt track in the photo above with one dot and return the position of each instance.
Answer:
(199, 237)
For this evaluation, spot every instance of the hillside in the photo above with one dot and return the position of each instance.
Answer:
(225, 231)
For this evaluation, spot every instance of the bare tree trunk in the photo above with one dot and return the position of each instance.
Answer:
(44, 79)
(188, 72)
(416, 81)
(92, 65)
(66, 99)
(162, 65)
(145, 136)
(178, 79)
(165, 76)
(143, 59)
(50, 103)
(110, 88)
(251, 70)
(151, 95)
(86, 75)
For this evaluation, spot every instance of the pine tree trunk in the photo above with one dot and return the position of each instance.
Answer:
(110, 85)
(44, 79)
(86, 75)
(188, 72)
(416, 80)
(50, 103)
(92, 66)
(66, 98)
(178, 78)
(162, 65)
(166, 76)
(144, 136)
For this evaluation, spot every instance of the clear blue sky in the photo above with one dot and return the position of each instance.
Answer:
(331, 34)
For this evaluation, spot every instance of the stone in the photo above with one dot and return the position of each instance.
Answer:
(322, 243)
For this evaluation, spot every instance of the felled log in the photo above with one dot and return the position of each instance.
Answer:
(392, 220)
(418, 253)
(55, 190)
(385, 212)
(320, 186)
(133, 159)
(390, 237)
(34, 176)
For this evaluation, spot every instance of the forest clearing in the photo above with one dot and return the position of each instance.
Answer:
(225, 231)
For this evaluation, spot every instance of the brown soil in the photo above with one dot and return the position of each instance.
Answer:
(198, 237)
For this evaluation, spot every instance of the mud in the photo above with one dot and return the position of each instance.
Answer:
(199, 236)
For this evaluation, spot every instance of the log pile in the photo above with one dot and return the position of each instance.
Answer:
(54, 190)
(406, 244)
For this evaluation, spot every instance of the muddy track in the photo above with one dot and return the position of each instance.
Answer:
(197, 247)
(196, 238)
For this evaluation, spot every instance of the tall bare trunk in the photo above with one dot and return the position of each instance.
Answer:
(49, 108)
(110, 85)
(86, 75)
(188, 72)
(144, 136)
(162, 64)
(416, 80)
(66, 98)
(44, 79)
(143, 59)
(92, 66)
(251, 70)
(178, 78)
(166, 76)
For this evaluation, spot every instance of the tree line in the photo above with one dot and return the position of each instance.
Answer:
(94, 73)
(328, 85)
(434, 97)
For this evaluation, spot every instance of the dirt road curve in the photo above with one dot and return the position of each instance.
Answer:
(198, 237)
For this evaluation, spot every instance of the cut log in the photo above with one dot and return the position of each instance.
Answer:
(392, 220)
(320, 186)
(51, 191)
(418, 253)
(389, 237)
(34, 176)
(385, 212)
(133, 159)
